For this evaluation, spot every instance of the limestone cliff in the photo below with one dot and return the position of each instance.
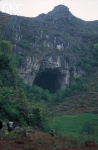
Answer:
(51, 45)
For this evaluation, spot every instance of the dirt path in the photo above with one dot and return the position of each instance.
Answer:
(40, 141)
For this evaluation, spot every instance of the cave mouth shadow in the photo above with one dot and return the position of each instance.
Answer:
(48, 79)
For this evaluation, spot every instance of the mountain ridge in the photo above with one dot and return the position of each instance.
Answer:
(56, 40)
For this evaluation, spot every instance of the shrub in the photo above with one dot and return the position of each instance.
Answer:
(95, 54)
(85, 63)
(25, 44)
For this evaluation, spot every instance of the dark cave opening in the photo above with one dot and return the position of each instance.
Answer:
(48, 79)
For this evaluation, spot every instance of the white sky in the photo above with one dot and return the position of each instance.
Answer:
(84, 9)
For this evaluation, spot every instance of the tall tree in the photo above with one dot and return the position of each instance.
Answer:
(5, 48)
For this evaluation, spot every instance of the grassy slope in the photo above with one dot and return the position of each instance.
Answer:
(73, 124)
(80, 119)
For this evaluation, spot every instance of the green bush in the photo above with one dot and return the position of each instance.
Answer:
(85, 63)
(5, 48)
(37, 118)
(25, 44)
(77, 85)
(95, 54)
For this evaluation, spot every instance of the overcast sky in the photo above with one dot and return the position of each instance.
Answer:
(84, 9)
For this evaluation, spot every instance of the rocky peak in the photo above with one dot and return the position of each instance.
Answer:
(60, 9)
(58, 12)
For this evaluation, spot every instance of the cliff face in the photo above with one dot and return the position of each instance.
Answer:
(50, 45)
(53, 66)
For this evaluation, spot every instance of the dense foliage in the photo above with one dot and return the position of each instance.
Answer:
(85, 63)
(95, 54)
(25, 44)
(15, 101)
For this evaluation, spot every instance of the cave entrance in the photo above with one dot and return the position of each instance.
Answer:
(48, 79)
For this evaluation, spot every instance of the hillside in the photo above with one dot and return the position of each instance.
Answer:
(48, 69)
(56, 51)
(56, 45)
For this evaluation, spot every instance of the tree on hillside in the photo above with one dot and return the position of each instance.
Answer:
(95, 49)
(7, 67)
(95, 54)
(5, 48)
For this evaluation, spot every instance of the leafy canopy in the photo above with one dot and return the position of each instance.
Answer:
(5, 48)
